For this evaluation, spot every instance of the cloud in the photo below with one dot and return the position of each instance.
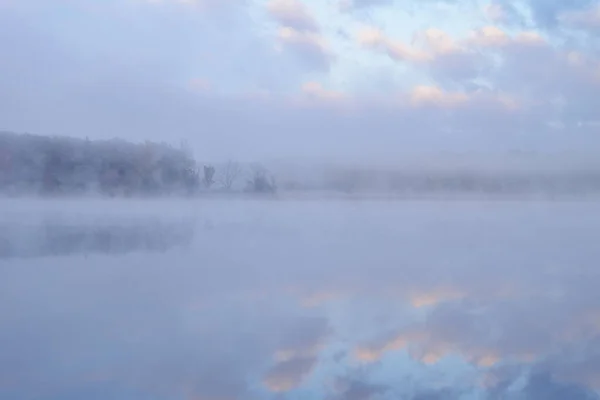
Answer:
(587, 19)
(299, 34)
(446, 58)
(433, 95)
(311, 48)
(316, 90)
(505, 13)
(199, 84)
(171, 348)
(282, 84)
(437, 394)
(374, 351)
(354, 389)
(375, 39)
(289, 374)
(297, 355)
(362, 5)
(434, 296)
(292, 14)
(459, 61)
(454, 328)
(549, 16)
(542, 385)
(546, 13)
(516, 315)
(495, 12)
(490, 57)
(199, 5)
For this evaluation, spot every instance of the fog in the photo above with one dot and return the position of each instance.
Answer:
(62, 236)
(248, 81)
(273, 299)
(61, 166)
(298, 199)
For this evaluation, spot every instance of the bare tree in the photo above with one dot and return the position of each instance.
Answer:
(209, 173)
(231, 172)
(261, 181)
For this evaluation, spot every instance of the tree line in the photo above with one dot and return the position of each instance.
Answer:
(34, 164)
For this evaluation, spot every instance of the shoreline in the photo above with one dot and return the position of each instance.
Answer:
(313, 196)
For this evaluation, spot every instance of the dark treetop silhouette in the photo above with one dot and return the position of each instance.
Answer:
(31, 164)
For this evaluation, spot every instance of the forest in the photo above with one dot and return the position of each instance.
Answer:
(34, 164)
(54, 166)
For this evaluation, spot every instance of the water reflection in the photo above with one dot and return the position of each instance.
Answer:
(112, 235)
(283, 300)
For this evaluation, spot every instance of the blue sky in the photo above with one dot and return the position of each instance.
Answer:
(349, 79)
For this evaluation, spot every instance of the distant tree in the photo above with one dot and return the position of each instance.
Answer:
(261, 181)
(231, 172)
(346, 181)
(209, 173)
(30, 163)
(52, 173)
(5, 166)
(191, 179)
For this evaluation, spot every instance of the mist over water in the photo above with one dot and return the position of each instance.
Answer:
(299, 200)
(56, 236)
(272, 299)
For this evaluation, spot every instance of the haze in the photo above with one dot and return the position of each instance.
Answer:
(351, 80)
(298, 199)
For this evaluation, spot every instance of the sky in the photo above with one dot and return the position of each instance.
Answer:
(344, 79)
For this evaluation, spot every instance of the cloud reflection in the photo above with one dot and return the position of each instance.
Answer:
(333, 300)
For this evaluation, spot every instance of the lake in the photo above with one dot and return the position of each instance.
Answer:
(299, 299)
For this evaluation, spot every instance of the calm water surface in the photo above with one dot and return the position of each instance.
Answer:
(220, 300)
